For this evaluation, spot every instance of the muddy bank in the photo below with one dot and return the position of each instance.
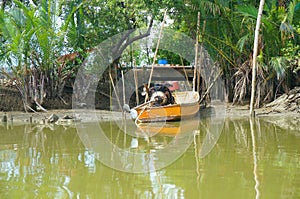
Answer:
(87, 115)
(11, 99)
(64, 116)
(288, 105)
(288, 102)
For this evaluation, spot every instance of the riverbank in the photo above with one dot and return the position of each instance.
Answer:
(64, 116)
(87, 115)
(287, 105)
(11, 99)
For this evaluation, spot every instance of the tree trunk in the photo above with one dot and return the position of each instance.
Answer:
(228, 89)
(255, 49)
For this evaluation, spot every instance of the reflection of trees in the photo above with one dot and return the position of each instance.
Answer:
(57, 145)
(51, 160)
(43, 159)
(275, 155)
(264, 163)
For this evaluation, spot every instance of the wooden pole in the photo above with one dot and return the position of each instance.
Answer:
(185, 73)
(201, 58)
(123, 87)
(157, 45)
(115, 91)
(196, 53)
(136, 82)
(254, 63)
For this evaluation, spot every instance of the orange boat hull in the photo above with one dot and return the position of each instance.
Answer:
(171, 112)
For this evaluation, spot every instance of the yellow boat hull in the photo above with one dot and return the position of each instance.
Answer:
(167, 113)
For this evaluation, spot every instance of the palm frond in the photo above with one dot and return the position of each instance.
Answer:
(279, 64)
(296, 18)
(247, 11)
(211, 8)
(242, 42)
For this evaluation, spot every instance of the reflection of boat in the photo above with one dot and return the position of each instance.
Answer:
(186, 105)
(169, 129)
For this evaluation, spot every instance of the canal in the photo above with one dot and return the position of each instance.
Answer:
(199, 158)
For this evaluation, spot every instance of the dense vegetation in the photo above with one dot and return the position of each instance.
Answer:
(43, 42)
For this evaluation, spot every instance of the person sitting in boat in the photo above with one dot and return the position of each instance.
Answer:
(159, 95)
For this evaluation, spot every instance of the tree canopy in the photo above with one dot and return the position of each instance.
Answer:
(43, 42)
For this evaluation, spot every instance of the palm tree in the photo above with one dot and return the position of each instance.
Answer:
(33, 40)
(229, 37)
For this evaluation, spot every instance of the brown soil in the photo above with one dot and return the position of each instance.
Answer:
(11, 102)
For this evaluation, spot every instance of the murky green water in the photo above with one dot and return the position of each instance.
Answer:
(38, 161)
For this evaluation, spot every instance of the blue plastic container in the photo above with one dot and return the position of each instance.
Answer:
(162, 61)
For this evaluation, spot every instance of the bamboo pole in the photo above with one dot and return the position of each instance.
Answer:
(123, 87)
(124, 97)
(115, 91)
(136, 83)
(110, 89)
(254, 63)
(201, 58)
(185, 73)
(136, 87)
(196, 53)
(157, 45)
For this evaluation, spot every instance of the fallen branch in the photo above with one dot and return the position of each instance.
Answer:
(63, 100)
(35, 111)
(40, 106)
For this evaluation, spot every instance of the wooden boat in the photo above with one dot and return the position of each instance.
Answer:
(186, 105)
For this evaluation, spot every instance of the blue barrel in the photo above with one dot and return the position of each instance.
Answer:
(162, 61)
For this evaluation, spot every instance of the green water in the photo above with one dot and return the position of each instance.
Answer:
(58, 161)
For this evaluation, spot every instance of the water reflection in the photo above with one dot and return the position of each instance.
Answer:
(258, 159)
(147, 149)
(39, 160)
(255, 159)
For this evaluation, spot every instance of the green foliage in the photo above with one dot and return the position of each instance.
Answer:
(292, 53)
(280, 65)
(34, 34)
(171, 57)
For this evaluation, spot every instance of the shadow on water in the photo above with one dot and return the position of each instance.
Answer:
(246, 159)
